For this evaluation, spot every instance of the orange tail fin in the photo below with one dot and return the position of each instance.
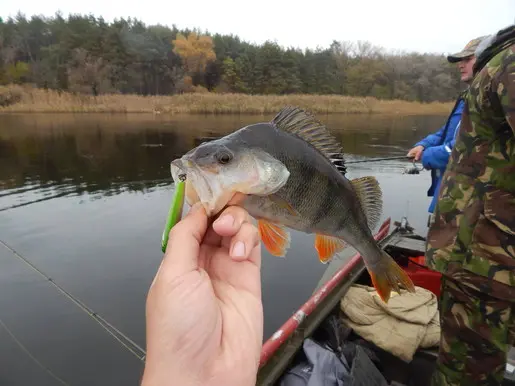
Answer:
(386, 277)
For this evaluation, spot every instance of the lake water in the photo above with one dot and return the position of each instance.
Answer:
(84, 199)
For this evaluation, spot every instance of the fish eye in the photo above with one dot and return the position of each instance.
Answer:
(224, 157)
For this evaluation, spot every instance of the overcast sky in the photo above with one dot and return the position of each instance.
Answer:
(425, 26)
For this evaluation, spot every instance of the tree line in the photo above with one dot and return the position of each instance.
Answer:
(86, 54)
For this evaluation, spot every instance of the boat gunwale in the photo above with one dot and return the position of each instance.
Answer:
(272, 365)
(283, 333)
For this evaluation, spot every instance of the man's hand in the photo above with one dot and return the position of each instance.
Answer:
(416, 152)
(204, 310)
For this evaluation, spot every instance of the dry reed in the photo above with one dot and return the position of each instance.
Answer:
(33, 100)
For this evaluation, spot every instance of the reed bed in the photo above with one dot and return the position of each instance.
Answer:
(25, 99)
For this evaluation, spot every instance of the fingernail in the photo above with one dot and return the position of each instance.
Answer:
(238, 250)
(226, 220)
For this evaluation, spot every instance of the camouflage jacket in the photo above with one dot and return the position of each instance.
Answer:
(472, 238)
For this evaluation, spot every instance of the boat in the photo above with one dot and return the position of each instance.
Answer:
(284, 349)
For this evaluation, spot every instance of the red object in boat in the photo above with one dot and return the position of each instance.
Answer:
(423, 276)
(278, 338)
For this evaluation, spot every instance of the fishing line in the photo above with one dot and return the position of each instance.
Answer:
(46, 369)
(123, 339)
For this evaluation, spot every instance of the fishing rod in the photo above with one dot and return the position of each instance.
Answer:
(335, 156)
(403, 157)
(340, 163)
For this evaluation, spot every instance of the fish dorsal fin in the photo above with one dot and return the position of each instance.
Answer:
(303, 124)
(371, 198)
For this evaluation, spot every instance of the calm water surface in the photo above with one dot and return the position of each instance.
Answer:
(84, 199)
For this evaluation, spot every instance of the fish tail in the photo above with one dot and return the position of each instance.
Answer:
(386, 276)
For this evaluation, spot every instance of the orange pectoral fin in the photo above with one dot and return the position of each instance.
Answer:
(275, 238)
(327, 246)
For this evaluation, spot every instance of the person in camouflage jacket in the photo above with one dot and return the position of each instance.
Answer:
(472, 239)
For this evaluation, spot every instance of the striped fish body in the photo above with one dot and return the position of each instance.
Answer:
(306, 191)
(323, 200)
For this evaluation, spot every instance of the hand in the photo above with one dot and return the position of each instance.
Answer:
(416, 152)
(204, 312)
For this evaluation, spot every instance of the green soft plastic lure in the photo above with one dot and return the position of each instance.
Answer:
(175, 211)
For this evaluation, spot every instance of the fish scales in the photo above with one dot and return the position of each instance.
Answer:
(286, 172)
(315, 186)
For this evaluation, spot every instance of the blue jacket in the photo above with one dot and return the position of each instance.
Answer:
(438, 148)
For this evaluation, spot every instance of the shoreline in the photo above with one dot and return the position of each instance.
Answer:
(28, 100)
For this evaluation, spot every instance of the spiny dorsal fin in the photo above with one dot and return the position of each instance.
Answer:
(339, 162)
(371, 198)
(297, 121)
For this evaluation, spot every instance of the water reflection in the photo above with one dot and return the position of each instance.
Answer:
(84, 198)
(76, 154)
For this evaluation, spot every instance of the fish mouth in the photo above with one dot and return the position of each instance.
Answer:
(182, 169)
(203, 182)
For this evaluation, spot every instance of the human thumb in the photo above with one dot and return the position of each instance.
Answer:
(184, 241)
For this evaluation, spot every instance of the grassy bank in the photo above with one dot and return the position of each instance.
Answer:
(32, 100)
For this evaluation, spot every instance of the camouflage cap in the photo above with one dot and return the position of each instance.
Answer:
(467, 51)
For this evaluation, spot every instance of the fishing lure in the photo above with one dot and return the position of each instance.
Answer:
(175, 211)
